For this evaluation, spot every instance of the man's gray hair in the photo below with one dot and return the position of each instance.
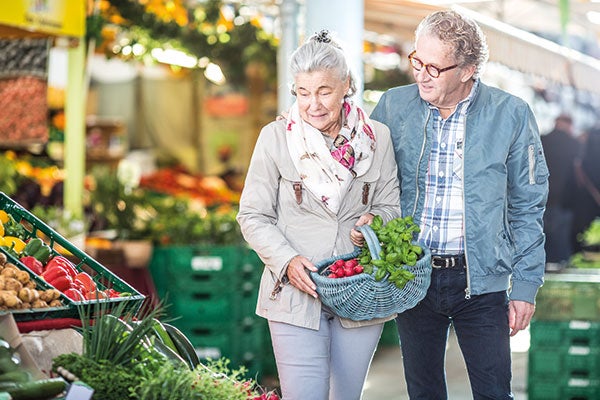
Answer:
(460, 33)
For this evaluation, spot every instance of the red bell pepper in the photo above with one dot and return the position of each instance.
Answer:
(33, 264)
(74, 294)
(60, 261)
(58, 277)
(86, 281)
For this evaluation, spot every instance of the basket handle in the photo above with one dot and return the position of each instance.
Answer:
(371, 240)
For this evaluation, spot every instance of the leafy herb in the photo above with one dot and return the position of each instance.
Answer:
(397, 250)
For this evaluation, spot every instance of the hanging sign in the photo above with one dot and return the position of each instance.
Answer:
(55, 17)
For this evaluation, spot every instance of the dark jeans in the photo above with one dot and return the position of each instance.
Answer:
(481, 326)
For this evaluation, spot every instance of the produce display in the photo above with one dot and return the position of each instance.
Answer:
(18, 382)
(140, 357)
(55, 269)
(41, 258)
(19, 291)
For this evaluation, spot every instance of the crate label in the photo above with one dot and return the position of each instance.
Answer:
(207, 263)
(583, 325)
(579, 382)
(579, 351)
(208, 352)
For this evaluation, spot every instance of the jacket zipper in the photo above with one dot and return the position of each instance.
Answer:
(468, 289)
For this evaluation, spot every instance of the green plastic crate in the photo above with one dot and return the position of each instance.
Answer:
(192, 268)
(561, 333)
(566, 297)
(103, 277)
(563, 389)
(564, 362)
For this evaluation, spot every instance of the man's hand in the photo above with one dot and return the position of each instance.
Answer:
(519, 315)
(296, 273)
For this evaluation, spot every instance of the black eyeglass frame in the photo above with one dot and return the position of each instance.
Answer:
(428, 67)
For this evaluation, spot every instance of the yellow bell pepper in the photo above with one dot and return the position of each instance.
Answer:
(3, 216)
(1, 229)
(19, 244)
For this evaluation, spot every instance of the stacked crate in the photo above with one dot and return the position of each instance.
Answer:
(564, 355)
(211, 292)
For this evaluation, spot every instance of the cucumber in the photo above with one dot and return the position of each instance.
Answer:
(183, 344)
(38, 390)
(16, 376)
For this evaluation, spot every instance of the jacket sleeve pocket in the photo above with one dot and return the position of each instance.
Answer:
(538, 170)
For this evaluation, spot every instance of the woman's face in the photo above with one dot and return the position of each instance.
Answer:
(320, 95)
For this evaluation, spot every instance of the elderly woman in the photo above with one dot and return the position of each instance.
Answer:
(313, 177)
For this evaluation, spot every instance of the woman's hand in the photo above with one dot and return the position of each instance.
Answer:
(356, 237)
(299, 278)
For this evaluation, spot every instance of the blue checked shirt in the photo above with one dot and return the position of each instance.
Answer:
(442, 228)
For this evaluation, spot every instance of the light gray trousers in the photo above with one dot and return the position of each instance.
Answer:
(326, 364)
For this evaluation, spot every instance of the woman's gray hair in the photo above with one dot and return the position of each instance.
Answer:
(320, 52)
(460, 33)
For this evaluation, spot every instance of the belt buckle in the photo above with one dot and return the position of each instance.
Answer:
(450, 262)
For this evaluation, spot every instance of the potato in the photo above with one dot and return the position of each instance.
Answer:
(3, 259)
(49, 295)
(28, 295)
(9, 272)
(10, 299)
(13, 284)
(56, 303)
(23, 276)
(39, 304)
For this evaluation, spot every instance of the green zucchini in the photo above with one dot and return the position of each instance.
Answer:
(184, 346)
(162, 334)
(38, 390)
(170, 355)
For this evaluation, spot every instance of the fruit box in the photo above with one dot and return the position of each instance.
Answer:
(103, 277)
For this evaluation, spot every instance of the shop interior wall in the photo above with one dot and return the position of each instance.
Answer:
(171, 118)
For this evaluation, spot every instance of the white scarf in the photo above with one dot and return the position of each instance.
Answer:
(327, 174)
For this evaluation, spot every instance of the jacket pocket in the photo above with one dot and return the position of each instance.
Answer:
(538, 170)
(367, 184)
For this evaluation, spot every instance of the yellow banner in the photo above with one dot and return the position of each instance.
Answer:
(55, 17)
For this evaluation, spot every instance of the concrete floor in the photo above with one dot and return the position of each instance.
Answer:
(386, 376)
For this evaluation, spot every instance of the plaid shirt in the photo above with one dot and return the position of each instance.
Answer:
(442, 228)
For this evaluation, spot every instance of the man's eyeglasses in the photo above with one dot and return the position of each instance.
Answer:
(432, 70)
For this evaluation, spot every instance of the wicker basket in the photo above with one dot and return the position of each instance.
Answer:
(360, 297)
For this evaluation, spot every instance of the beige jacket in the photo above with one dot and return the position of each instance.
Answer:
(278, 228)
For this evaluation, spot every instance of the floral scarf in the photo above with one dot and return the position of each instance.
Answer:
(327, 174)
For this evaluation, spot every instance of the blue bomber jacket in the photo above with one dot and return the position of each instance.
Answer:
(505, 184)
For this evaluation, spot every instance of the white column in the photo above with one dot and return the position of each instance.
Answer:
(344, 18)
(289, 18)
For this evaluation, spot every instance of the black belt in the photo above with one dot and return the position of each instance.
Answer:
(452, 261)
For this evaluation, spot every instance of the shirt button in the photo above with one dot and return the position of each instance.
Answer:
(438, 199)
(441, 175)
(435, 228)
(443, 145)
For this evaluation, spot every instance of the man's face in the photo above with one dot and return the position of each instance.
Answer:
(452, 85)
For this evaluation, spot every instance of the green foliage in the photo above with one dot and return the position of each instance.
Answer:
(591, 236)
(110, 382)
(397, 250)
(10, 178)
(233, 50)
(213, 380)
